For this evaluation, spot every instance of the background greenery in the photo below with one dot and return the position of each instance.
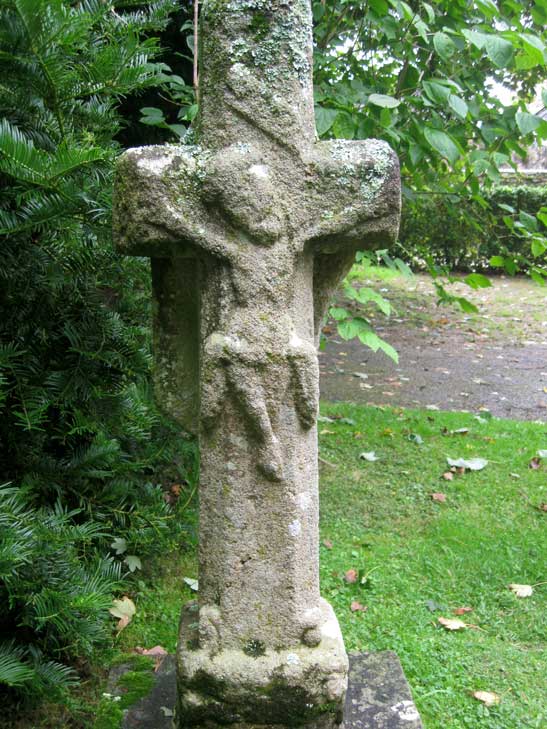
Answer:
(457, 232)
(86, 453)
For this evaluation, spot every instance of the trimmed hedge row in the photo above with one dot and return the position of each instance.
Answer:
(461, 234)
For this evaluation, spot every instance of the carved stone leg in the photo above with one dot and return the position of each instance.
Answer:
(249, 395)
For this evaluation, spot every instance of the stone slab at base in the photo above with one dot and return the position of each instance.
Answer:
(378, 697)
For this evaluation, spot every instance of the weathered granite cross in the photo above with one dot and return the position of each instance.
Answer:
(249, 233)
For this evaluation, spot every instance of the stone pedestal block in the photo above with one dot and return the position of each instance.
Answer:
(258, 688)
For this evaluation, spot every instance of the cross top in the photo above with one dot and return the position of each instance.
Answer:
(256, 72)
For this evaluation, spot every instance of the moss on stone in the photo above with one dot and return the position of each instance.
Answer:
(136, 684)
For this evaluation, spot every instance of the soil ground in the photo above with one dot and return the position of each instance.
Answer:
(494, 360)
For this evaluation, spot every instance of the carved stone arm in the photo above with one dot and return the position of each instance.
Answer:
(356, 198)
(354, 205)
(159, 209)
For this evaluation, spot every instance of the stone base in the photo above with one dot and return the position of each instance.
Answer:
(303, 686)
(378, 697)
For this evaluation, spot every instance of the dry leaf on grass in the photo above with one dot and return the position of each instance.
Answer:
(488, 698)
(521, 590)
(452, 623)
(462, 610)
(471, 464)
(369, 456)
(156, 651)
(351, 576)
(439, 497)
(356, 607)
(543, 506)
(123, 609)
(327, 544)
(448, 476)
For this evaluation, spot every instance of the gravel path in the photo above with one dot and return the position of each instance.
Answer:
(495, 360)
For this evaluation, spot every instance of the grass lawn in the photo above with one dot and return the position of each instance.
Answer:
(425, 558)
(417, 560)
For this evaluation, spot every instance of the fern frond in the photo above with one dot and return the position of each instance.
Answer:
(13, 670)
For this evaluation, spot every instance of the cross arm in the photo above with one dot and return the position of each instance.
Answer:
(355, 200)
(158, 206)
(354, 203)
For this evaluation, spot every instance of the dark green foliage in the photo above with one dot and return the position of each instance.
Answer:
(80, 440)
(48, 592)
(461, 234)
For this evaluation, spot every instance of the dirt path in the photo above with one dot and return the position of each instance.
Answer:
(496, 359)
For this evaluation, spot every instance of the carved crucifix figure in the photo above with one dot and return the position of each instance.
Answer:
(249, 233)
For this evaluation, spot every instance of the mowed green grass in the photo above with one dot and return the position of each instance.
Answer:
(421, 559)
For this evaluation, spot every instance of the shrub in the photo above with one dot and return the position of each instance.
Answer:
(462, 234)
(80, 439)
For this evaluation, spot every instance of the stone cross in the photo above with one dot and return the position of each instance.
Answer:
(249, 233)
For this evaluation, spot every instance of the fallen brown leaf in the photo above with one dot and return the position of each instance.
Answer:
(462, 610)
(535, 463)
(543, 506)
(448, 476)
(521, 590)
(351, 576)
(157, 650)
(438, 496)
(327, 543)
(452, 623)
(488, 698)
(356, 607)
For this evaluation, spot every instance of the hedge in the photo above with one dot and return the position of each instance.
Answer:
(460, 233)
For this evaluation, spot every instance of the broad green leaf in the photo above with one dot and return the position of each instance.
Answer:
(349, 328)
(389, 102)
(344, 126)
(339, 313)
(529, 221)
(527, 122)
(477, 281)
(538, 277)
(430, 12)
(499, 51)
(436, 92)
(444, 45)
(458, 105)
(366, 295)
(507, 208)
(324, 119)
(374, 342)
(497, 261)
(380, 7)
(466, 305)
(488, 8)
(152, 116)
(538, 247)
(475, 38)
(442, 143)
